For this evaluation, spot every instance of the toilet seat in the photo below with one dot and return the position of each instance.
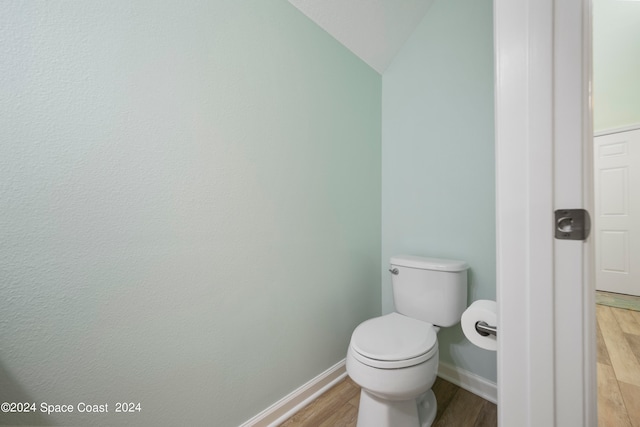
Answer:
(394, 341)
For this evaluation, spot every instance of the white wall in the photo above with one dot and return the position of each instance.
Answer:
(438, 195)
(616, 64)
(190, 206)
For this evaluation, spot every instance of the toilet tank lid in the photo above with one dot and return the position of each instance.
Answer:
(423, 263)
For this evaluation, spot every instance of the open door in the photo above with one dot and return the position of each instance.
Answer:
(545, 291)
(617, 203)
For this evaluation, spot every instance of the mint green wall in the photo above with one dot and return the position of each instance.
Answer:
(190, 206)
(616, 64)
(438, 157)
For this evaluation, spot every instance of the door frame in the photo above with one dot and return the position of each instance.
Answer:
(545, 290)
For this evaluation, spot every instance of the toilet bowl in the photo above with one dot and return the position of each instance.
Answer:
(394, 358)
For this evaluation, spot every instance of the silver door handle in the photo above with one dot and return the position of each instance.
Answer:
(394, 271)
(572, 224)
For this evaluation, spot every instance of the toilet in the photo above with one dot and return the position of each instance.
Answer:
(394, 358)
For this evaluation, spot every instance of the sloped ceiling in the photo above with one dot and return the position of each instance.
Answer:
(374, 30)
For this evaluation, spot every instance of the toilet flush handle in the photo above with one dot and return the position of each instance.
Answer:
(394, 271)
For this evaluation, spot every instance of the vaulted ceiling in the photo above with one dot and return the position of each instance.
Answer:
(374, 30)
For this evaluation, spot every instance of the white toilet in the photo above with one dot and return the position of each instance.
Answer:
(394, 358)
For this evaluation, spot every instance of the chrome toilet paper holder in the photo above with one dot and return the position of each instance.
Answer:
(484, 329)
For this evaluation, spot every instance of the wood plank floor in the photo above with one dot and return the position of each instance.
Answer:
(338, 407)
(618, 340)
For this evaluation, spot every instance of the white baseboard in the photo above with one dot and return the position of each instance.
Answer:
(280, 411)
(277, 413)
(469, 381)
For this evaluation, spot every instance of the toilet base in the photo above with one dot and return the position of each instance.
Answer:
(427, 408)
(377, 412)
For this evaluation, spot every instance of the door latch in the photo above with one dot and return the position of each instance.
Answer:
(572, 224)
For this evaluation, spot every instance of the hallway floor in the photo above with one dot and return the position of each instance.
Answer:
(618, 367)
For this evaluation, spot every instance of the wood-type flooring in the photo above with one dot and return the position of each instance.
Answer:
(618, 367)
(338, 407)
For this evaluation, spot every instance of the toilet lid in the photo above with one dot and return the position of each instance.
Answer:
(393, 337)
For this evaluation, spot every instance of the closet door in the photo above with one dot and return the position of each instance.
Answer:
(617, 212)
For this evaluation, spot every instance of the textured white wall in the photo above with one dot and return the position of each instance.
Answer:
(438, 187)
(190, 206)
(616, 64)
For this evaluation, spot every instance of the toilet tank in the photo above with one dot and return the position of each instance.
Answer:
(429, 289)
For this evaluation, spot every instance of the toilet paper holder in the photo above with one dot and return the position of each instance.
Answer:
(484, 329)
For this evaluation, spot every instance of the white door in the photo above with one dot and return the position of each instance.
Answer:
(545, 289)
(617, 212)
